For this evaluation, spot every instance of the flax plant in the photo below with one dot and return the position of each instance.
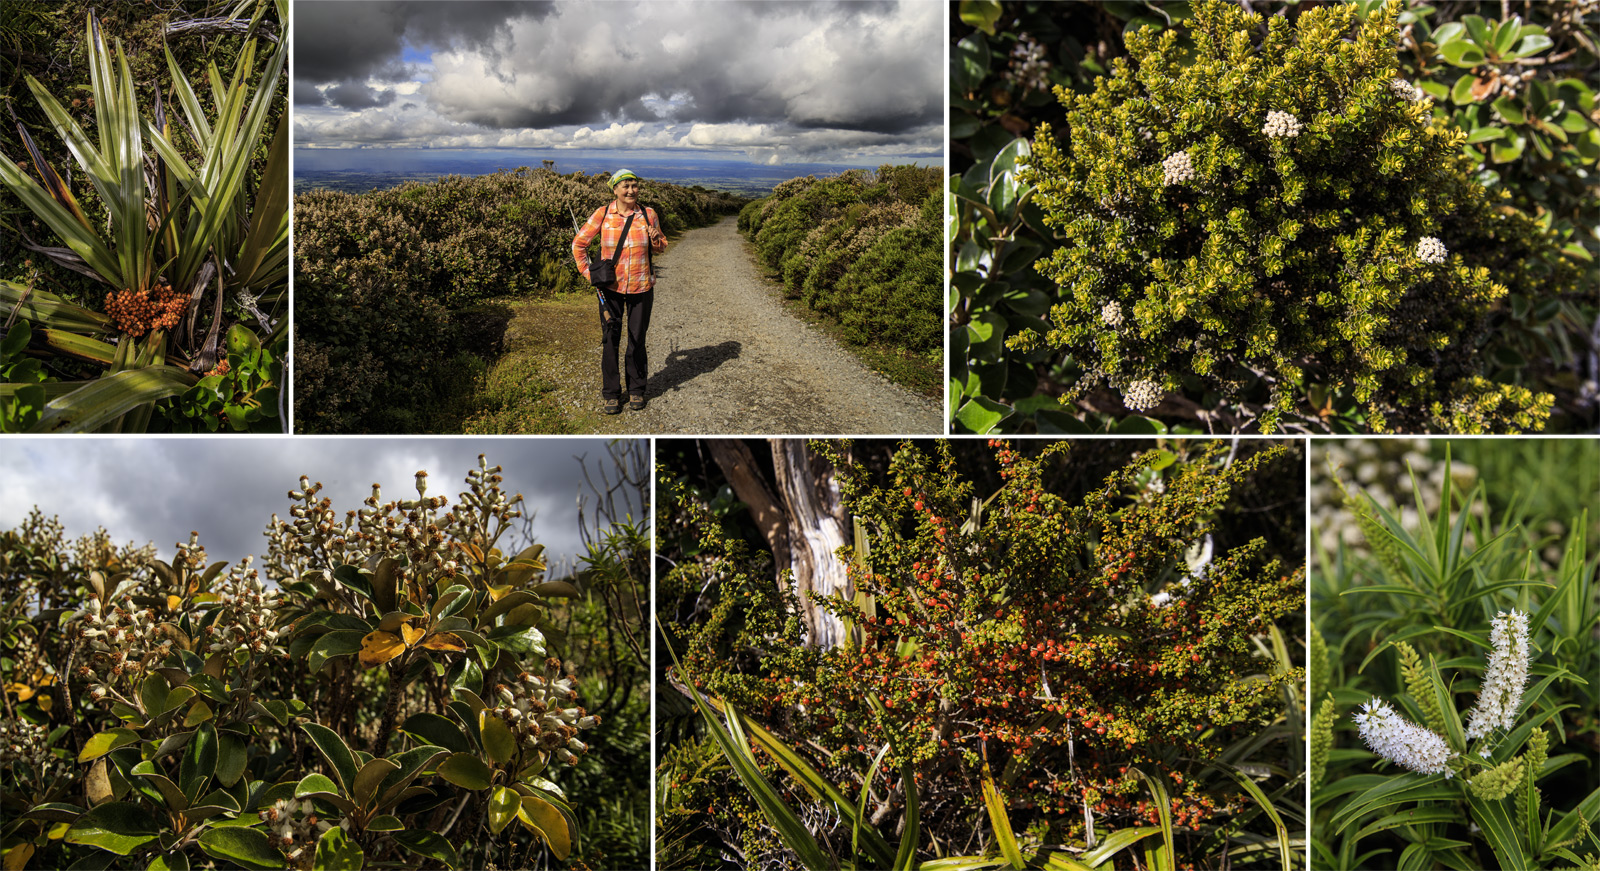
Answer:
(180, 231)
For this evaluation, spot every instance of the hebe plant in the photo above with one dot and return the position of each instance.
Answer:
(1065, 645)
(212, 719)
(1274, 213)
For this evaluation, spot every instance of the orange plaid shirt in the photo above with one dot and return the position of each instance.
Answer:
(633, 267)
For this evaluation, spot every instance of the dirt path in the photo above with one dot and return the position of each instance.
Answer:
(726, 358)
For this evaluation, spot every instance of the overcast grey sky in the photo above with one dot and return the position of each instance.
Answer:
(158, 489)
(775, 81)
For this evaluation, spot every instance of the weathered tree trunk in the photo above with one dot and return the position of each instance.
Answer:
(802, 518)
(817, 528)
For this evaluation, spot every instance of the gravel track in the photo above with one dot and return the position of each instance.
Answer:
(726, 358)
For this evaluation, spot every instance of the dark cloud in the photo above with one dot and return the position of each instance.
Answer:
(306, 94)
(338, 40)
(356, 95)
(873, 67)
(157, 490)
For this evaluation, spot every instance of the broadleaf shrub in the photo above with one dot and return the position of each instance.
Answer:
(1068, 644)
(384, 703)
(1275, 210)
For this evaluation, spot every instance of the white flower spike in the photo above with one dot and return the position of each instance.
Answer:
(1503, 683)
(1401, 741)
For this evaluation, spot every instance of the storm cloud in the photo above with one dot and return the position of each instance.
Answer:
(156, 490)
(493, 70)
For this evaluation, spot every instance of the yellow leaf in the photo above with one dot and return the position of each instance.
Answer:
(498, 593)
(97, 786)
(444, 641)
(542, 817)
(23, 691)
(17, 857)
(46, 703)
(198, 713)
(412, 634)
(380, 647)
(59, 831)
(173, 603)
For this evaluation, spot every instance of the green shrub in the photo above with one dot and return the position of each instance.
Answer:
(1274, 210)
(861, 248)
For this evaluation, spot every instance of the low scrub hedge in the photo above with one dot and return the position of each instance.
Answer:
(862, 248)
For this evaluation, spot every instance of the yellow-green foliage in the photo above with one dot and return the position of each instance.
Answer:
(862, 247)
(1256, 208)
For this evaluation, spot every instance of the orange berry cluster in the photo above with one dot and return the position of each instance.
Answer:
(136, 312)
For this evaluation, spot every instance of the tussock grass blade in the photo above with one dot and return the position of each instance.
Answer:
(1116, 842)
(861, 803)
(961, 863)
(1162, 857)
(735, 747)
(1413, 817)
(1003, 834)
(906, 859)
(820, 787)
(1272, 814)
(1452, 718)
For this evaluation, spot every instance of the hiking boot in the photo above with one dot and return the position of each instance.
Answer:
(612, 406)
(636, 402)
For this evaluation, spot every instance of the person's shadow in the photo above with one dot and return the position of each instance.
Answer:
(683, 365)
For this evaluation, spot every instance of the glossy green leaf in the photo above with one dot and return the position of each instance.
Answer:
(340, 642)
(315, 784)
(431, 728)
(336, 852)
(243, 846)
(466, 771)
(231, 758)
(1510, 109)
(153, 694)
(498, 741)
(429, 845)
(503, 807)
(385, 823)
(119, 827)
(334, 751)
(368, 778)
(169, 862)
(1462, 53)
(199, 761)
(105, 742)
(982, 415)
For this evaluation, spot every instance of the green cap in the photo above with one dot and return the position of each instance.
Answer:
(622, 175)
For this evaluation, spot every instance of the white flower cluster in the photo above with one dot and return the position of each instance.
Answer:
(1281, 125)
(1028, 66)
(291, 822)
(409, 530)
(22, 742)
(1507, 675)
(122, 643)
(541, 712)
(1401, 741)
(1141, 396)
(1111, 313)
(1430, 250)
(250, 615)
(1176, 168)
(1406, 91)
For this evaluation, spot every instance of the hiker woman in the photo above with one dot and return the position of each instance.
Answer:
(624, 277)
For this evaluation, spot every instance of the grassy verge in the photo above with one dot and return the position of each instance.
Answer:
(911, 371)
(532, 386)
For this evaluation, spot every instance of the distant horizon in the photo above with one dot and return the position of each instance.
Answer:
(566, 160)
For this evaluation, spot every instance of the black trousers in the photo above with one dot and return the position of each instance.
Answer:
(634, 309)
